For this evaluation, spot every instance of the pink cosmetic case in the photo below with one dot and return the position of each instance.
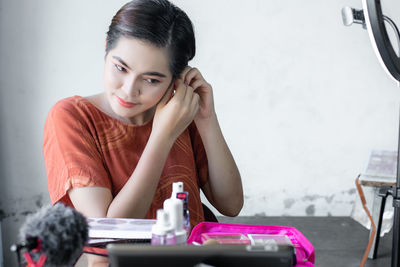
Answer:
(304, 250)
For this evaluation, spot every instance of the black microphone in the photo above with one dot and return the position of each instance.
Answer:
(54, 235)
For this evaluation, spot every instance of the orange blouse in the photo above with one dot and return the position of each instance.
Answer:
(83, 147)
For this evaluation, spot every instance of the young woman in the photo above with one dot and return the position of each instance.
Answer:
(117, 153)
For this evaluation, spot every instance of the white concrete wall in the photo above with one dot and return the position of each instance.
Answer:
(301, 98)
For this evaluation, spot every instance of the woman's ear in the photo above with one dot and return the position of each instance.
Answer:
(105, 43)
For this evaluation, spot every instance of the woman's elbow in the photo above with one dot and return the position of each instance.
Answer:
(234, 209)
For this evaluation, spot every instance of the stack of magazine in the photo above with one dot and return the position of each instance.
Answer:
(116, 230)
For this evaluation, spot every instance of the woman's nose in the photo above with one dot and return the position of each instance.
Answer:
(132, 87)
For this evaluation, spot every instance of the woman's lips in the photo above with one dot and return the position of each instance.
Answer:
(124, 103)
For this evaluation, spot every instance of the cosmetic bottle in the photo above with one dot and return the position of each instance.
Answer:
(184, 196)
(162, 233)
(174, 207)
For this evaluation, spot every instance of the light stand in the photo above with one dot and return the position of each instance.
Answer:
(374, 21)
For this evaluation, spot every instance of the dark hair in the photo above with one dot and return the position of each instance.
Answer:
(160, 23)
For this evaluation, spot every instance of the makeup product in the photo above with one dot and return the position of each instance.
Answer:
(174, 207)
(225, 238)
(184, 196)
(266, 239)
(162, 232)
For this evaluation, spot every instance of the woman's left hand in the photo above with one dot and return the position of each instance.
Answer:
(193, 78)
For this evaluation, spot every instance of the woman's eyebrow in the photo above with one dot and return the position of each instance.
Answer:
(121, 61)
(155, 73)
(151, 73)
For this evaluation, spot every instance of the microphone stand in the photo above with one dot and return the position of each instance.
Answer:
(396, 219)
(17, 249)
(395, 193)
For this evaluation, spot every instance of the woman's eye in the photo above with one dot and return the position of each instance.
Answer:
(120, 68)
(153, 81)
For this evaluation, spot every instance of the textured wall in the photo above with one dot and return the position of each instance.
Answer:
(301, 99)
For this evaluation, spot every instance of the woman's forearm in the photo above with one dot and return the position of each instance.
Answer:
(225, 183)
(135, 198)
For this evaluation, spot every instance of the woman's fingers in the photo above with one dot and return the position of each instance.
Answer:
(184, 72)
(189, 100)
(197, 83)
(195, 103)
(177, 111)
(192, 75)
(183, 92)
(180, 89)
(189, 94)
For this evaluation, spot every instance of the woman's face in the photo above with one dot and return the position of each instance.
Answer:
(136, 76)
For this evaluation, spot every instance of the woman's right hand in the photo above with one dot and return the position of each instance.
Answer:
(175, 111)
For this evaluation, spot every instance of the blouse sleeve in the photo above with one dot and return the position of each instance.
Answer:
(199, 154)
(71, 156)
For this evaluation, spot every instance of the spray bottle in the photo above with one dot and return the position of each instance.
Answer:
(174, 207)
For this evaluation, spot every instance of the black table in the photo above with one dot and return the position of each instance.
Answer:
(338, 241)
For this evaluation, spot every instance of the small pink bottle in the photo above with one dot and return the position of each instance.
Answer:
(162, 232)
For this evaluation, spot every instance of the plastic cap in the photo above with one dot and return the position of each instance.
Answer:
(162, 225)
(177, 187)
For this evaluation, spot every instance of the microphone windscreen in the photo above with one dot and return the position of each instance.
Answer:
(62, 231)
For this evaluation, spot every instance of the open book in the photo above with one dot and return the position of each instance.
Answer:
(119, 228)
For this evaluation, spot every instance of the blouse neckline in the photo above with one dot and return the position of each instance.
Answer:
(88, 103)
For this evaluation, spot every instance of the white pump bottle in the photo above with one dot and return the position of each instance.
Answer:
(174, 207)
